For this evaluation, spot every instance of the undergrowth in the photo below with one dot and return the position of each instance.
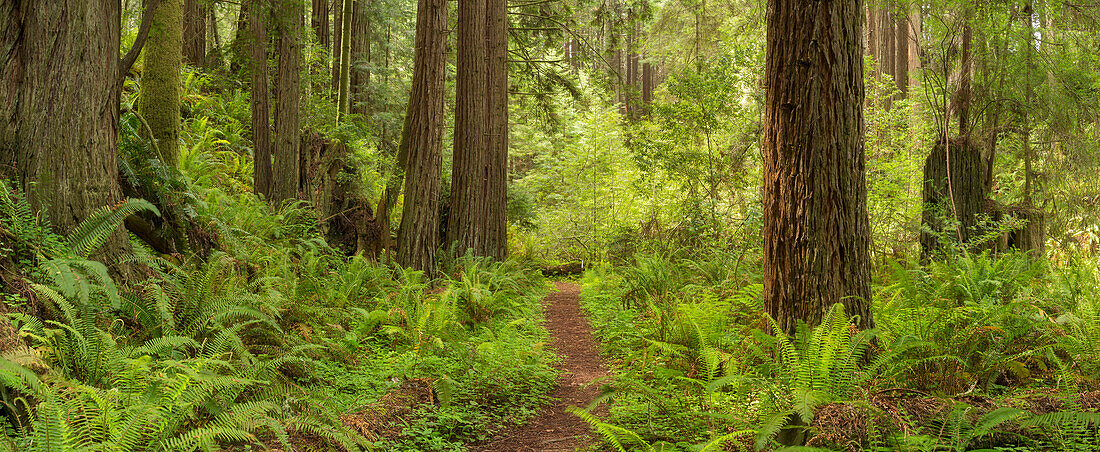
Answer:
(973, 352)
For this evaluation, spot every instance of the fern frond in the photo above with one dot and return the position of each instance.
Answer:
(94, 231)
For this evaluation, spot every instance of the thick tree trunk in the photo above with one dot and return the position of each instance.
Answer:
(470, 131)
(816, 231)
(159, 103)
(261, 110)
(59, 98)
(953, 191)
(288, 93)
(476, 221)
(194, 32)
(496, 190)
(418, 238)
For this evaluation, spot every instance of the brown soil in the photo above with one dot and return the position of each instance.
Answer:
(554, 429)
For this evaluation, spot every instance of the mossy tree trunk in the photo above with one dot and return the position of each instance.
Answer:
(159, 103)
(288, 91)
(816, 230)
(59, 97)
(422, 141)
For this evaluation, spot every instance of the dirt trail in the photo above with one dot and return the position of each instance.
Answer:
(553, 429)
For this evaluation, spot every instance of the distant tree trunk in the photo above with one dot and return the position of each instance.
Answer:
(194, 32)
(241, 46)
(343, 81)
(816, 231)
(422, 143)
(59, 98)
(901, 54)
(318, 19)
(337, 45)
(1032, 237)
(261, 113)
(963, 95)
(360, 43)
(159, 104)
(916, 26)
(647, 87)
(287, 101)
(476, 221)
(953, 191)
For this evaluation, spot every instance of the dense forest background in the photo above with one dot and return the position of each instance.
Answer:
(327, 225)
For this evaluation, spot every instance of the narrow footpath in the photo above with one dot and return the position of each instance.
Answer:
(554, 429)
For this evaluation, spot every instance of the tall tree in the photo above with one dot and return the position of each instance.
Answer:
(159, 103)
(318, 19)
(816, 231)
(59, 97)
(422, 140)
(342, 60)
(195, 13)
(477, 222)
(359, 76)
(261, 110)
(288, 91)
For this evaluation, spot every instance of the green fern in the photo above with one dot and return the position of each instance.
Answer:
(94, 231)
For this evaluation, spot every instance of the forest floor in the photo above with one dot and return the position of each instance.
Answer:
(554, 429)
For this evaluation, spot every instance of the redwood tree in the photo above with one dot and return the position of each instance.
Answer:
(288, 89)
(816, 231)
(477, 220)
(59, 98)
(422, 140)
(261, 111)
(194, 31)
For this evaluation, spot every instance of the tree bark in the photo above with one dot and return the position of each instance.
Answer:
(159, 103)
(261, 98)
(139, 41)
(476, 222)
(816, 232)
(953, 191)
(964, 94)
(422, 146)
(287, 101)
(194, 32)
(360, 43)
(59, 98)
(901, 54)
(319, 21)
(343, 73)
(337, 45)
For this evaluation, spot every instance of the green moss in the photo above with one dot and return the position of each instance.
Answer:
(159, 104)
